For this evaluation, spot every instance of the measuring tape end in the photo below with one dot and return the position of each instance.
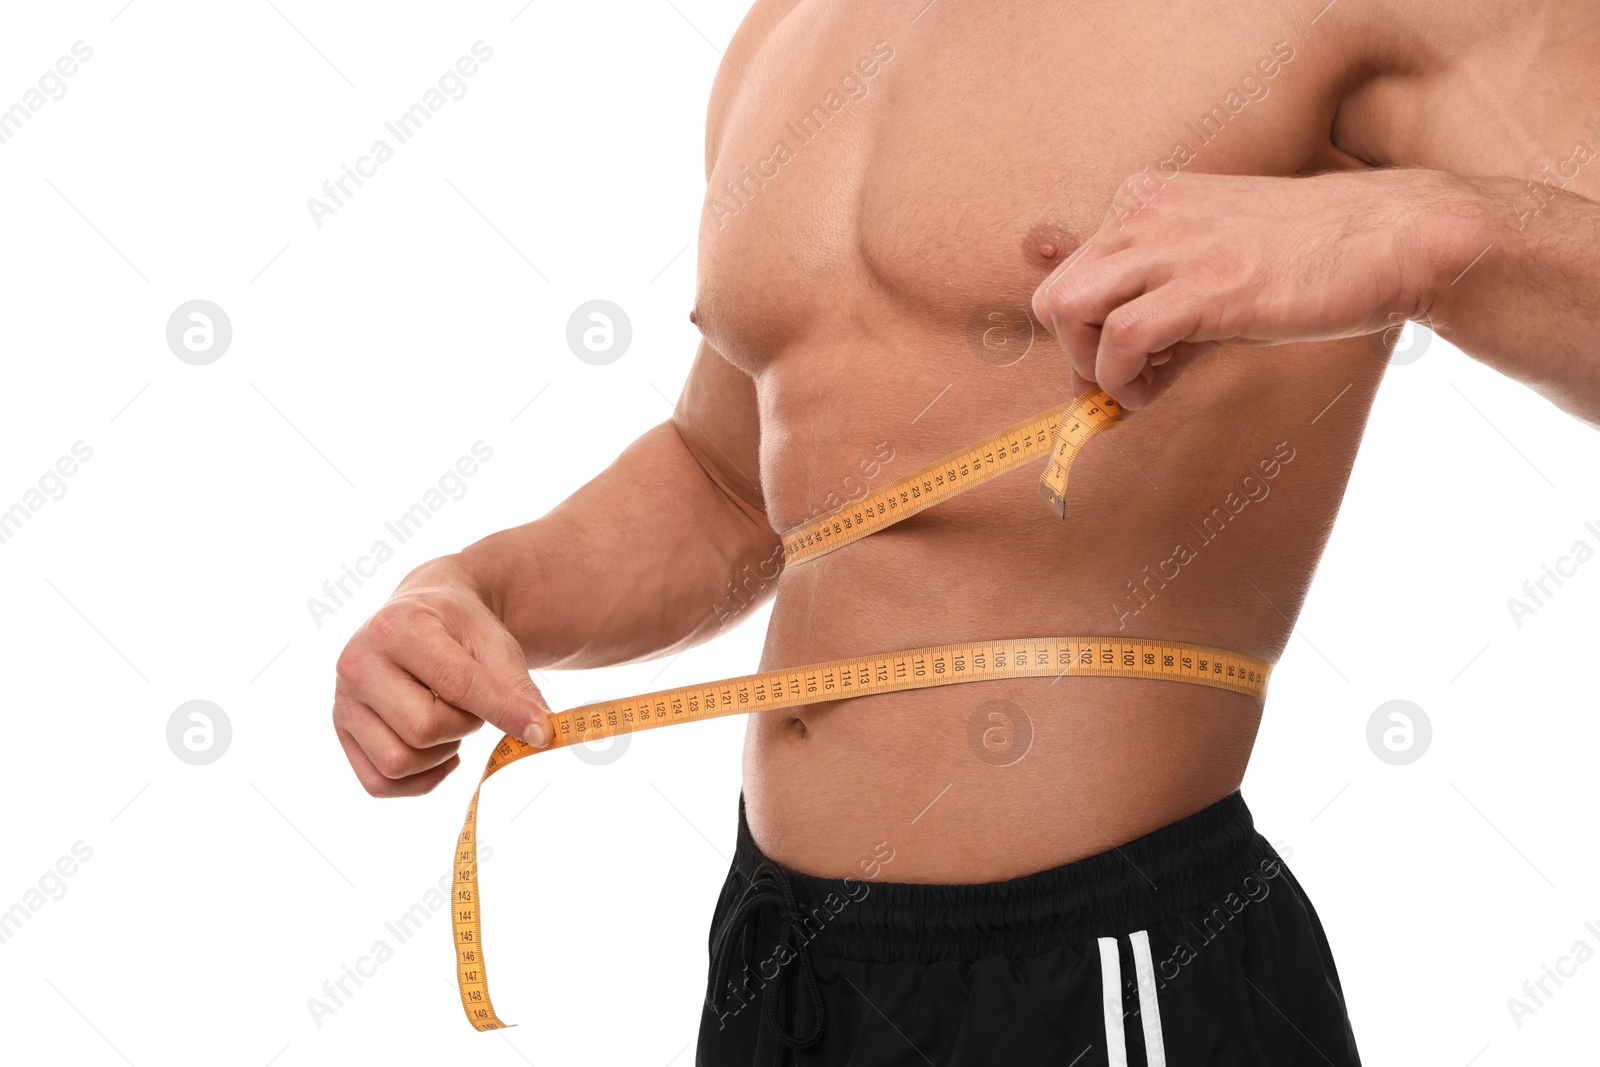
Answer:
(1053, 500)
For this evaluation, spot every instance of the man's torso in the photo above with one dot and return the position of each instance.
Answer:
(884, 197)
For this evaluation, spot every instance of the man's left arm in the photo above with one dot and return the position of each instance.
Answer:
(1507, 267)
(1513, 98)
(1528, 301)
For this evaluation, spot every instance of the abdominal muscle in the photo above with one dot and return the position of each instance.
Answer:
(979, 781)
(990, 780)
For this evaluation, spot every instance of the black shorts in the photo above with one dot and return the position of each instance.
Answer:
(1191, 945)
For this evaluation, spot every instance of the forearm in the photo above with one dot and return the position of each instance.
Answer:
(1518, 287)
(634, 564)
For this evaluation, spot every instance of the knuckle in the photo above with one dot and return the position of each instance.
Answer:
(426, 730)
(1124, 329)
(386, 625)
(352, 663)
(393, 762)
(454, 681)
(1066, 297)
(523, 685)
(1041, 305)
(375, 784)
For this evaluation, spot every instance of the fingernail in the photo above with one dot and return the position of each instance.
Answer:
(534, 735)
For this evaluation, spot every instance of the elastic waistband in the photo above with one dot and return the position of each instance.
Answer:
(1133, 886)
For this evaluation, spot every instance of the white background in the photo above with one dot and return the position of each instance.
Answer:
(424, 316)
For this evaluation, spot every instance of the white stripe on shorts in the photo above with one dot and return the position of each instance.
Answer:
(1111, 997)
(1149, 1011)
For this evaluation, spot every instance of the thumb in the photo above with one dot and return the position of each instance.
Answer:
(529, 710)
(489, 681)
(539, 731)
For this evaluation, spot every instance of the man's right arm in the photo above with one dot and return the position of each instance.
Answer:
(630, 566)
(633, 564)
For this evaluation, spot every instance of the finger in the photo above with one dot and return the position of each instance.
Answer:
(1178, 358)
(1132, 331)
(1080, 257)
(1155, 380)
(434, 658)
(1076, 305)
(376, 784)
(413, 710)
(392, 757)
(1080, 384)
(504, 658)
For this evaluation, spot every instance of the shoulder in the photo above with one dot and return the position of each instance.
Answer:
(1472, 87)
(734, 71)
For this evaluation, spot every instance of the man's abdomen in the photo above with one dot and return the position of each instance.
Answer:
(1200, 519)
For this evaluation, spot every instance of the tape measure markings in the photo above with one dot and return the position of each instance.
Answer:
(1059, 432)
(918, 668)
(1085, 417)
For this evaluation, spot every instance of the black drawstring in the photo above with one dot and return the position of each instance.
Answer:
(768, 886)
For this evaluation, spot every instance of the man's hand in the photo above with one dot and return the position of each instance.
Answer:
(1205, 260)
(428, 669)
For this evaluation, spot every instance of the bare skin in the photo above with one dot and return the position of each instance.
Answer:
(933, 259)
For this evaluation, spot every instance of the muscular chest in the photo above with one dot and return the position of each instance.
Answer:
(863, 164)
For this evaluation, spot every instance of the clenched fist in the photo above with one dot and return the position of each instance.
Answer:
(1183, 265)
(428, 669)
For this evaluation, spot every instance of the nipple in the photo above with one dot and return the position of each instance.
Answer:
(1047, 246)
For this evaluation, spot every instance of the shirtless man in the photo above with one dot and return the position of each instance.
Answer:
(907, 245)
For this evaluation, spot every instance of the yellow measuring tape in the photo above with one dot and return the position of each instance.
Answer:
(1060, 433)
